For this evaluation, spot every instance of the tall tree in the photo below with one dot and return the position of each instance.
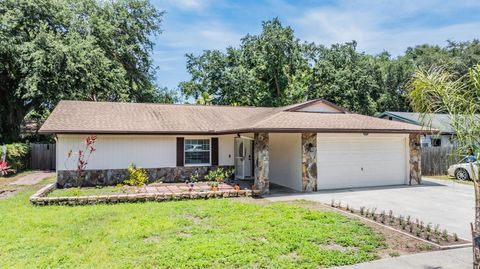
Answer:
(348, 78)
(267, 69)
(274, 68)
(74, 49)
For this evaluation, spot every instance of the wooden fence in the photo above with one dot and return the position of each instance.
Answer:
(42, 157)
(436, 160)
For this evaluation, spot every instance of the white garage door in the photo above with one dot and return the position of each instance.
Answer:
(357, 160)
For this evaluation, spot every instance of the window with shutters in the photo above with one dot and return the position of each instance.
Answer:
(197, 151)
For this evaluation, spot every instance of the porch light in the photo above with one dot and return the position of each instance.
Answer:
(310, 147)
(365, 134)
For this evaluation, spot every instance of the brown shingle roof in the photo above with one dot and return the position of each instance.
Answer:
(136, 118)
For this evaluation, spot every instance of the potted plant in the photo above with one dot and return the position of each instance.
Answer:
(213, 185)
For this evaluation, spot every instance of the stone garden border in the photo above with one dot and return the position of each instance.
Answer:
(40, 197)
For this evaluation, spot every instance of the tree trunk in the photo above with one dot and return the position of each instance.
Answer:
(476, 227)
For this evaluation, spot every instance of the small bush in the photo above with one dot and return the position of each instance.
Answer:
(16, 155)
(445, 235)
(219, 175)
(394, 254)
(138, 176)
(455, 237)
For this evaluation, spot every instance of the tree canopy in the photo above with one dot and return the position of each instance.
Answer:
(275, 68)
(74, 49)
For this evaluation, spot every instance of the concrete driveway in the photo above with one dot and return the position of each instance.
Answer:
(443, 202)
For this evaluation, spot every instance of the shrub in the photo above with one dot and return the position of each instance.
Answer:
(138, 176)
(455, 237)
(5, 169)
(218, 175)
(445, 235)
(16, 155)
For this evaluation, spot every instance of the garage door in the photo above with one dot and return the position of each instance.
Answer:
(357, 160)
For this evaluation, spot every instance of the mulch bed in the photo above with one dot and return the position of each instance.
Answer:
(427, 232)
(396, 242)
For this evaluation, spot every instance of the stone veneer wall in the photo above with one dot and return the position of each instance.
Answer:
(261, 154)
(309, 162)
(111, 177)
(415, 159)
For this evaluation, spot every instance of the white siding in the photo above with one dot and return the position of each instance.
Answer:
(118, 151)
(226, 149)
(286, 160)
(356, 160)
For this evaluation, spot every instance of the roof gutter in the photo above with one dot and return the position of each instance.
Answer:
(245, 130)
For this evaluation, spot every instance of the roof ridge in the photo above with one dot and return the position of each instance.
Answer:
(166, 104)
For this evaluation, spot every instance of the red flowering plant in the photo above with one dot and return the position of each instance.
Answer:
(5, 169)
(83, 156)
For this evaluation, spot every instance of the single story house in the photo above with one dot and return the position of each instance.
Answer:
(445, 137)
(310, 146)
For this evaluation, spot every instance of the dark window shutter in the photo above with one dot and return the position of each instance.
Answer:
(180, 142)
(214, 151)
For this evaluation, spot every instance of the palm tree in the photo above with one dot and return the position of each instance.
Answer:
(437, 91)
(205, 99)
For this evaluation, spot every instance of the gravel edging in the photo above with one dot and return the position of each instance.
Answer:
(40, 197)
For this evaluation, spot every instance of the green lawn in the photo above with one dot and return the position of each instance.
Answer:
(467, 182)
(108, 190)
(219, 233)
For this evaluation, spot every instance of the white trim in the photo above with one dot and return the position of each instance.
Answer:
(407, 159)
(209, 151)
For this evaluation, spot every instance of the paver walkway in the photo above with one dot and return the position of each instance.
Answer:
(33, 178)
(446, 259)
(179, 187)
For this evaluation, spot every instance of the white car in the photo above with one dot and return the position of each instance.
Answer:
(464, 171)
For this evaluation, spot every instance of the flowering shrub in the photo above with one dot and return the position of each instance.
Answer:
(5, 169)
(138, 176)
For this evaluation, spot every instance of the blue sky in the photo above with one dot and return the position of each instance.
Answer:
(191, 26)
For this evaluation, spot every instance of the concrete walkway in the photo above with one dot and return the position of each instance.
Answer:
(32, 179)
(446, 259)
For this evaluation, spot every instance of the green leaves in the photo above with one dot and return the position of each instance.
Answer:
(74, 49)
(437, 90)
(274, 69)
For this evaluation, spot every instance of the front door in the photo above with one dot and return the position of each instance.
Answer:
(243, 158)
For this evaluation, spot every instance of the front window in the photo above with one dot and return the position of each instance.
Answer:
(197, 151)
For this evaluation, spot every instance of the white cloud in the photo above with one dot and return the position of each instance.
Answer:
(201, 36)
(388, 26)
